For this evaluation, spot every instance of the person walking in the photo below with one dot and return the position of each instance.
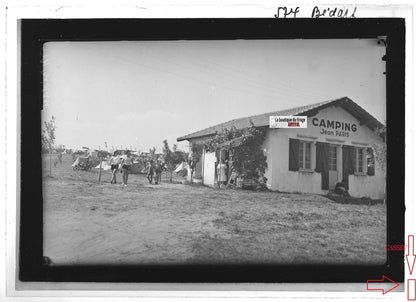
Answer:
(126, 164)
(158, 172)
(150, 171)
(114, 163)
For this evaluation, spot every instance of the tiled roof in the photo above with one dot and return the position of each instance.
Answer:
(262, 120)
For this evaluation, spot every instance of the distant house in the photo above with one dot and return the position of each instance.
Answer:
(337, 145)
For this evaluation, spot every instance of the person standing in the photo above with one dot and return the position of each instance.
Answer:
(126, 164)
(60, 157)
(222, 173)
(114, 162)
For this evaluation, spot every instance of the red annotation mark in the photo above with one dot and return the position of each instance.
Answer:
(411, 289)
(382, 280)
(394, 247)
(410, 257)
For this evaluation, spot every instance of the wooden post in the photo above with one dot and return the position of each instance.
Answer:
(99, 174)
(191, 162)
(50, 163)
(219, 171)
(203, 166)
(230, 164)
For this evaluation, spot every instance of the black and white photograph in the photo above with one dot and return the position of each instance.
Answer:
(188, 152)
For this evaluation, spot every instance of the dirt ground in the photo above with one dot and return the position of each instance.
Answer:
(90, 223)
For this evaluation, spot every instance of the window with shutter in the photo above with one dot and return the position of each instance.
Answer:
(360, 160)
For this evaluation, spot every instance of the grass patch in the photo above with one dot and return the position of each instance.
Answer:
(172, 223)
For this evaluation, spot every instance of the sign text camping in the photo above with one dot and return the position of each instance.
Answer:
(331, 127)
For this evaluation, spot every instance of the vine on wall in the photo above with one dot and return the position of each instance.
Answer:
(245, 145)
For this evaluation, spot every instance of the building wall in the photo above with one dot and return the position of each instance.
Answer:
(276, 147)
(209, 168)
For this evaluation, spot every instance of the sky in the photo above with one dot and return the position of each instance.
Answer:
(136, 94)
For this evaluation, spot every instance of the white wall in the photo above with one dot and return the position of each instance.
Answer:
(278, 175)
(209, 168)
(276, 147)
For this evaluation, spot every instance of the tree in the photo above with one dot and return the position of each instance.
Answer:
(172, 158)
(48, 139)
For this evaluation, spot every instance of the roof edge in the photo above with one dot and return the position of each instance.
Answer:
(345, 102)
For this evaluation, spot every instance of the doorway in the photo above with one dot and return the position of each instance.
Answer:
(332, 166)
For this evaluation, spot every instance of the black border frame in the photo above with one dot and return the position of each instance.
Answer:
(35, 32)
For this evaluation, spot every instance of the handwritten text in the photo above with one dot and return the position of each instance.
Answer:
(284, 12)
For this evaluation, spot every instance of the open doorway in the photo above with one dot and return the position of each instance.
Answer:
(333, 166)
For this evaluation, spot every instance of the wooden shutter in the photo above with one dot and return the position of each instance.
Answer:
(293, 154)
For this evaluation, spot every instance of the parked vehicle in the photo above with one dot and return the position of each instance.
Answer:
(82, 163)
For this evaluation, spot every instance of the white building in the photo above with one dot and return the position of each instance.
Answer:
(337, 145)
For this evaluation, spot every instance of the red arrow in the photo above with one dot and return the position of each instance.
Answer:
(382, 289)
(410, 257)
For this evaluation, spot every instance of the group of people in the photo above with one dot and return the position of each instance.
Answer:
(123, 163)
(154, 172)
